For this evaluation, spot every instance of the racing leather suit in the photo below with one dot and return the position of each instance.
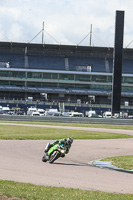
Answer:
(60, 142)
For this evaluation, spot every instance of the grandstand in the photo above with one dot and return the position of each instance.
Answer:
(63, 72)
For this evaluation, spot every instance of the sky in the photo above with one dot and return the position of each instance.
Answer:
(66, 22)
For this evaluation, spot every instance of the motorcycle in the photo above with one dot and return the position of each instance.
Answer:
(54, 153)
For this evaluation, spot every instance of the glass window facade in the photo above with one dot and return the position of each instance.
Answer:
(13, 74)
(17, 74)
(4, 74)
(50, 84)
(100, 79)
(16, 83)
(127, 80)
(96, 81)
(47, 76)
(34, 75)
(101, 87)
(127, 89)
(66, 76)
(33, 84)
(4, 82)
(80, 77)
(55, 76)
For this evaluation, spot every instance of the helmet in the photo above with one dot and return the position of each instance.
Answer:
(69, 140)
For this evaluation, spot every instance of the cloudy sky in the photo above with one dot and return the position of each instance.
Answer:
(65, 21)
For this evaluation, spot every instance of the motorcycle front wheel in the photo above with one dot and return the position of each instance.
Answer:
(54, 156)
(44, 159)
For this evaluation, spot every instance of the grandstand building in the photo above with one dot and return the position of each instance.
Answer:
(63, 72)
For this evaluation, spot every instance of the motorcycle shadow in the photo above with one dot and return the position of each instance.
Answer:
(71, 164)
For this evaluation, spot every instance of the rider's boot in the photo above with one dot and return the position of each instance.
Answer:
(47, 156)
(47, 148)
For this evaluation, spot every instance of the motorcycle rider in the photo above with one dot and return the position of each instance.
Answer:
(66, 143)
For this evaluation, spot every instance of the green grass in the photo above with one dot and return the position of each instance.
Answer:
(13, 132)
(33, 192)
(124, 127)
(124, 162)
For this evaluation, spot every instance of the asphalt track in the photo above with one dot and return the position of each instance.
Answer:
(20, 160)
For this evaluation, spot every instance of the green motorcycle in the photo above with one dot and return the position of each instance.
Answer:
(54, 153)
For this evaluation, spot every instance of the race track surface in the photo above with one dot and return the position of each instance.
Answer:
(20, 160)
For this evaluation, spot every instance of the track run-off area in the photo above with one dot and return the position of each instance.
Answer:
(21, 161)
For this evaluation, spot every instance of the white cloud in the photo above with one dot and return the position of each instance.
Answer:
(67, 21)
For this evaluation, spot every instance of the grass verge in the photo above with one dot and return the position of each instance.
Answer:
(42, 133)
(124, 162)
(34, 192)
(124, 127)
